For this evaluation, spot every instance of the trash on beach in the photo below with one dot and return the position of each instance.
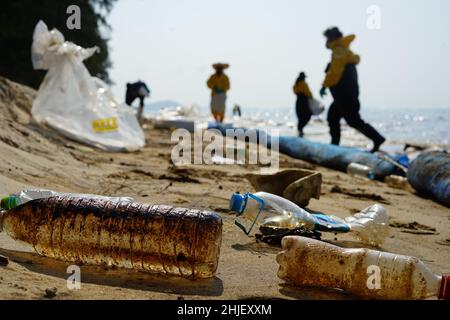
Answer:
(400, 161)
(429, 174)
(398, 182)
(179, 117)
(216, 159)
(14, 200)
(327, 155)
(274, 235)
(315, 106)
(362, 272)
(356, 169)
(116, 232)
(76, 104)
(267, 210)
(296, 185)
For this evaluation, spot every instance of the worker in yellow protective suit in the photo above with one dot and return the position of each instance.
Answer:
(219, 85)
(342, 80)
(301, 89)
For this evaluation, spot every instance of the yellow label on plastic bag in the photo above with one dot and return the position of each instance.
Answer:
(105, 125)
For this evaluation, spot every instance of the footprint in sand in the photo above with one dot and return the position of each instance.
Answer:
(445, 242)
(414, 228)
(359, 193)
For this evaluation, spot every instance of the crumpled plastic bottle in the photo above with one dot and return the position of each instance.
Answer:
(371, 225)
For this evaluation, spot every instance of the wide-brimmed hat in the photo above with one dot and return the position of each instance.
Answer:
(220, 65)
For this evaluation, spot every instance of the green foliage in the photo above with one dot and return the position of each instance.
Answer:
(18, 19)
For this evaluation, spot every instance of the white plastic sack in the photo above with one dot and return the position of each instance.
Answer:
(315, 106)
(78, 105)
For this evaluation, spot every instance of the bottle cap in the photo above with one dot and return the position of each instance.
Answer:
(9, 202)
(4, 203)
(444, 291)
(237, 203)
(1, 220)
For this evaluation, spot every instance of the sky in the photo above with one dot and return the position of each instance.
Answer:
(171, 44)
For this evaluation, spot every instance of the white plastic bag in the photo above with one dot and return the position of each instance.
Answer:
(76, 104)
(315, 106)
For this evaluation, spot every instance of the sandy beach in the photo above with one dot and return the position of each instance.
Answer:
(35, 156)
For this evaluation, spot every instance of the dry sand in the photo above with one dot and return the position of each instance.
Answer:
(33, 156)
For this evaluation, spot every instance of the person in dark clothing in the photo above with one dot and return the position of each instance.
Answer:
(342, 80)
(237, 110)
(301, 89)
(137, 90)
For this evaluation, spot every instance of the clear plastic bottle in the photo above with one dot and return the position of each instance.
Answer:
(269, 210)
(362, 272)
(26, 195)
(356, 169)
(371, 225)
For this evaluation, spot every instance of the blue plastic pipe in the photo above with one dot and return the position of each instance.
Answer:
(429, 174)
(326, 155)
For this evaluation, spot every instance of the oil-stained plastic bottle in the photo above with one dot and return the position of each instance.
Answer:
(26, 195)
(362, 272)
(97, 230)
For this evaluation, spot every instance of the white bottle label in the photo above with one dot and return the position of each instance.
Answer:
(374, 279)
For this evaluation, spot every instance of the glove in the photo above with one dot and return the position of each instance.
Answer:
(323, 92)
(217, 90)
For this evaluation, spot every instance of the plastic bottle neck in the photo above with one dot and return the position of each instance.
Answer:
(2, 214)
(9, 202)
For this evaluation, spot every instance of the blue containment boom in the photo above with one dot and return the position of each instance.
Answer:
(327, 155)
(429, 174)
(334, 157)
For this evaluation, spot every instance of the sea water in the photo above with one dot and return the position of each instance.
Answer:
(418, 126)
